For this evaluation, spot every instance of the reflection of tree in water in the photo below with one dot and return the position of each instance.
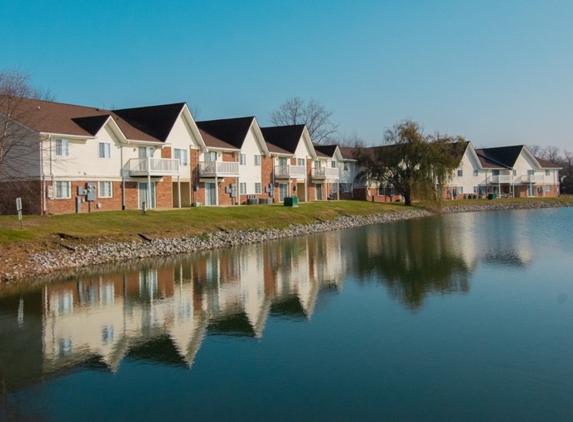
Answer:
(412, 258)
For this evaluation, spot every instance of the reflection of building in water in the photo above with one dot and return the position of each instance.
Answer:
(163, 312)
(506, 244)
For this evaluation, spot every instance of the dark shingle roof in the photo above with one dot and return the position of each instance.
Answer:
(347, 152)
(325, 150)
(547, 164)
(283, 139)
(231, 131)
(499, 157)
(68, 119)
(156, 121)
(214, 142)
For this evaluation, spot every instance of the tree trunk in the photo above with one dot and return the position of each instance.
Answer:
(407, 200)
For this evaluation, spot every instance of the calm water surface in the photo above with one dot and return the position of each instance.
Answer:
(461, 317)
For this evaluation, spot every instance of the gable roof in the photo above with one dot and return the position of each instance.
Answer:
(347, 152)
(214, 142)
(325, 150)
(283, 139)
(156, 121)
(547, 164)
(499, 157)
(73, 120)
(231, 131)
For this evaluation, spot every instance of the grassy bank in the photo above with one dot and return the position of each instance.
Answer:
(122, 225)
(55, 233)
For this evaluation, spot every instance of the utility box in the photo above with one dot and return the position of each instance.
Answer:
(291, 201)
(90, 191)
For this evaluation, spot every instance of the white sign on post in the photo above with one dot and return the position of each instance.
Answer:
(19, 209)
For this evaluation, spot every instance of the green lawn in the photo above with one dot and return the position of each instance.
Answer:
(188, 221)
(123, 225)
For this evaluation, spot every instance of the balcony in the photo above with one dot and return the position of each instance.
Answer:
(324, 173)
(531, 178)
(218, 169)
(501, 178)
(290, 172)
(143, 167)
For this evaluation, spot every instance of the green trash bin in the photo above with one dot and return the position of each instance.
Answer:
(491, 196)
(291, 201)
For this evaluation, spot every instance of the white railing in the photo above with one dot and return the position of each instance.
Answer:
(218, 168)
(286, 171)
(501, 178)
(152, 166)
(325, 173)
(531, 178)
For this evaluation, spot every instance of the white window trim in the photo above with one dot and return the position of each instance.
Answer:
(243, 159)
(181, 155)
(257, 160)
(64, 148)
(100, 191)
(69, 184)
(106, 149)
(242, 188)
(258, 188)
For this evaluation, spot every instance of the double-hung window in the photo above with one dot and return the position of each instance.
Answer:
(104, 150)
(181, 155)
(243, 159)
(258, 187)
(243, 188)
(460, 173)
(63, 190)
(105, 190)
(301, 162)
(62, 149)
(257, 160)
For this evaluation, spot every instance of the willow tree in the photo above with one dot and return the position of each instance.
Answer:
(414, 164)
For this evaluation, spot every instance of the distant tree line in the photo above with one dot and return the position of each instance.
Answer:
(562, 158)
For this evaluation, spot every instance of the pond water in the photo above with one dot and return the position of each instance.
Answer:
(459, 317)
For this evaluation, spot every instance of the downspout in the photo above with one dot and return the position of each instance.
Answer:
(51, 167)
(43, 179)
(122, 179)
(273, 178)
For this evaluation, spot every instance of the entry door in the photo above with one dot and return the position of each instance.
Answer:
(318, 188)
(531, 190)
(210, 194)
(283, 191)
(142, 188)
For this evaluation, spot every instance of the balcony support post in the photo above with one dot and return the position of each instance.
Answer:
(178, 191)
(148, 182)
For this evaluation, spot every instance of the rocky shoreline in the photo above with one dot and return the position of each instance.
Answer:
(84, 256)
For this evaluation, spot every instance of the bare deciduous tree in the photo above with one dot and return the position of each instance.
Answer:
(551, 153)
(20, 147)
(296, 111)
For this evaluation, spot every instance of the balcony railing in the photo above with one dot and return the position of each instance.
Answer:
(218, 168)
(290, 172)
(149, 166)
(501, 178)
(531, 178)
(325, 173)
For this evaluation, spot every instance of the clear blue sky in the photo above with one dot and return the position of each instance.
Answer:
(497, 72)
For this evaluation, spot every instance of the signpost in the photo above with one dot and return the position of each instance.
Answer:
(19, 209)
